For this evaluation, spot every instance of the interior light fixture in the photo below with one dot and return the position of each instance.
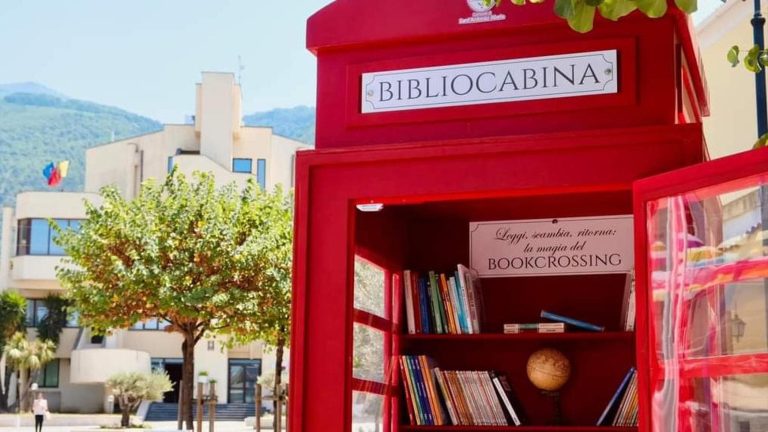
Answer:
(370, 207)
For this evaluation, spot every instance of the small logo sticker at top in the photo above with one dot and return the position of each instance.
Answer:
(482, 11)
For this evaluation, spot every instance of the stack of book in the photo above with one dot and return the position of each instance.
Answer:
(442, 303)
(623, 405)
(469, 398)
(556, 327)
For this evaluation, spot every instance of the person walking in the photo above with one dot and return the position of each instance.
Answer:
(40, 409)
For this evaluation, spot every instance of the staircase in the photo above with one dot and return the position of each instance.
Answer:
(233, 412)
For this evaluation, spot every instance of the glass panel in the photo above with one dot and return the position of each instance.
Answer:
(709, 290)
(169, 167)
(369, 287)
(368, 353)
(50, 376)
(41, 311)
(367, 412)
(74, 319)
(29, 319)
(261, 172)
(74, 225)
(236, 396)
(242, 165)
(55, 249)
(39, 237)
(22, 237)
(734, 403)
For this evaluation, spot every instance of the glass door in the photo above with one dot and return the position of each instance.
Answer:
(702, 255)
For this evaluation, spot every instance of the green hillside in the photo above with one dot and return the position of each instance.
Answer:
(39, 125)
(39, 128)
(297, 123)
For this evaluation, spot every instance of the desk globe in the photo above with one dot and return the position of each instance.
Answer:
(548, 370)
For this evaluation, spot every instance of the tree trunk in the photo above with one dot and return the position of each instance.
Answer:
(125, 410)
(188, 379)
(23, 390)
(278, 372)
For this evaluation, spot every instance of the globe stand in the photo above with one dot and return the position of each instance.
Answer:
(557, 417)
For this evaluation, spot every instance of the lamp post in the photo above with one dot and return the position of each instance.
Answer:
(758, 37)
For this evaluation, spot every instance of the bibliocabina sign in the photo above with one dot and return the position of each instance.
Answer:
(556, 76)
(541, 247)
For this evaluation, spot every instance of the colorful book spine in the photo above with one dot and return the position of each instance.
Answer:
(571, 321)
(424, 302)
(616, 395)
(409, 393)
(408, 296)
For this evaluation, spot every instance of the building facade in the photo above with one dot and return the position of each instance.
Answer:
(215, 141)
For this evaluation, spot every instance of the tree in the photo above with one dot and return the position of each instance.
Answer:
(12, 312)
(580, 14)
(49, 328)
(27, 358)
(201, 258)
(130, 388)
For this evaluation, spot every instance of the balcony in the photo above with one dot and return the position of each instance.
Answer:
(96, 365)
(35, 268)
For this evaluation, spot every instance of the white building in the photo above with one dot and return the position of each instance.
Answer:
(216, 141)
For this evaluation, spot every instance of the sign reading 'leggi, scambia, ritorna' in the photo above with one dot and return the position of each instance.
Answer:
(557, 76)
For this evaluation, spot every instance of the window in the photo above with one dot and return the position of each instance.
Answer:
(242, 165)
(261, 172)
(242, 380)
(169, 167)
(49, 375)
(36, 237)
(36, 311)
(151, 324)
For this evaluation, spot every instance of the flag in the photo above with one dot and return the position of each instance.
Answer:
(48, 170)
(63, 168)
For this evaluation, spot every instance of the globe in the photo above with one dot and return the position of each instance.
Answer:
(548, 369)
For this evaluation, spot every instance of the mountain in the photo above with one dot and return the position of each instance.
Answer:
(28, 87)
(297, 123)
(41, 127)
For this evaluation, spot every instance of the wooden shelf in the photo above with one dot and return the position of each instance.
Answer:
(529, 336)
(519, 428)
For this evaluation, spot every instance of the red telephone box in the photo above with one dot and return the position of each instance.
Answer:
(438, 113)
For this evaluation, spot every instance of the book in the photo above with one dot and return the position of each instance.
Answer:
(450, 402)
(629, 303)
(421, 390)
(571, 321)
(616, 395)
(408, 390)
(408, 294)
(621, 414)
(445, 296)
(424, 306)
(472, 282)
(461, 286)
(513, 328)
(438, 314)
(456, 301)
(435, 404)
(504, 390)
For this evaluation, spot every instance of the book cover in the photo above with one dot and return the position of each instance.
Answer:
(437, 304)
(421, 389)
(408, 297)
(472, 281)
(462, 288)
(571, 321)
(450, 315)
(424, 302)
(416, 302)
(504, 391)
(436, 405)
(616, 395)
(624, 401)
(447, 396)
(456, 303)
(407, 389)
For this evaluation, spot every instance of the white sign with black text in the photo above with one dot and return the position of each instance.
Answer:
(556, 76)
(541, 247)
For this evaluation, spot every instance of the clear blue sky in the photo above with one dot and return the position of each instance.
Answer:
(146, 55)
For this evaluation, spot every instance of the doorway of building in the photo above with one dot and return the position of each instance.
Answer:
(173, 367)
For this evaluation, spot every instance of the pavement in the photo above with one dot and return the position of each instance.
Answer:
(94, 422)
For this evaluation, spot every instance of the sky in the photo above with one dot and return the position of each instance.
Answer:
(145, 56)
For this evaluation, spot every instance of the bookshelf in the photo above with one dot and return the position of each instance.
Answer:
(434, 236)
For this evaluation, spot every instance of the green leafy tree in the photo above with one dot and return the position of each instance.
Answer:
(580, 14)
(49, 328)
(130, 388)
(206, 260)
(12, 312)
(27, 358)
